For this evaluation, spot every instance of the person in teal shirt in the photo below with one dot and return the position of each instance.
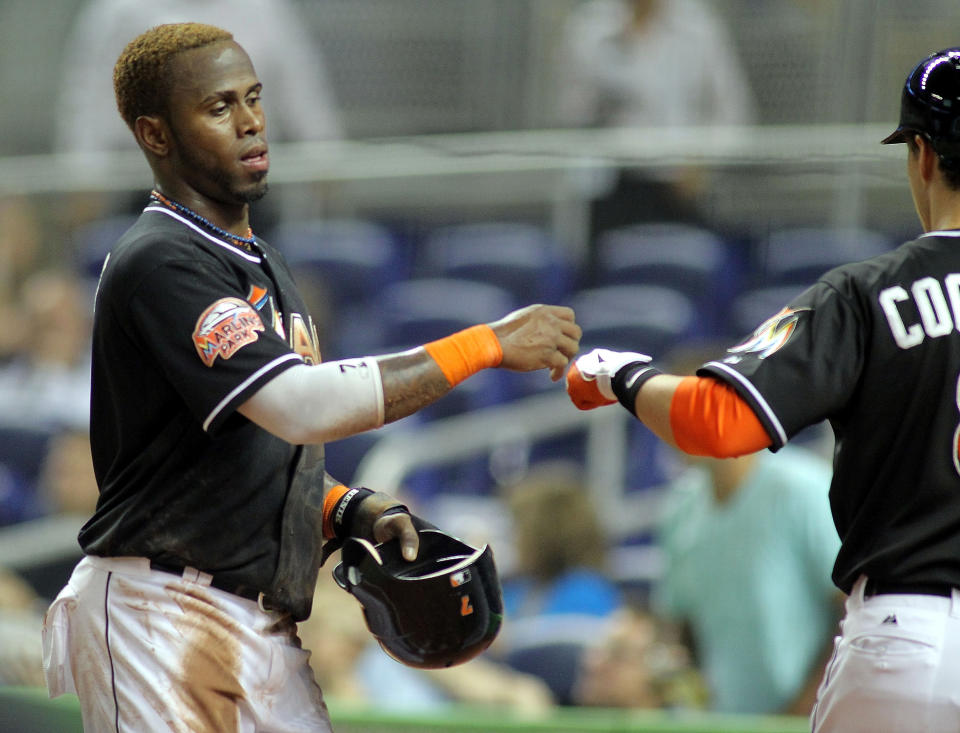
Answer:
(748, 546)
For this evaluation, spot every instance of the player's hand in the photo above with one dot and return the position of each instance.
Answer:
(382, 518)
(589, 377)
(538, 337)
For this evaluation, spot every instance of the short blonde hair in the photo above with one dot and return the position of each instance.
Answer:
(141, 76)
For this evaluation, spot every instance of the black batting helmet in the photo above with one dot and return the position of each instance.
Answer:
(930, 104)
(439, 610)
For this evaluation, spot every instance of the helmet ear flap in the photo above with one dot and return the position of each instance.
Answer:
(442, 609)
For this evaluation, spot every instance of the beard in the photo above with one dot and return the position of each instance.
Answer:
(220, 185)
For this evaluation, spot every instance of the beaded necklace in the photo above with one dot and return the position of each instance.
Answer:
(246, 242)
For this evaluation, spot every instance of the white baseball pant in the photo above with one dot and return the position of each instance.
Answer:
(149, 651)
(895, 667)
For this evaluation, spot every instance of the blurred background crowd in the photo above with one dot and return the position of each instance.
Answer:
(673, 169)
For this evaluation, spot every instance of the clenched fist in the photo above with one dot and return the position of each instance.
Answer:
(538, 337)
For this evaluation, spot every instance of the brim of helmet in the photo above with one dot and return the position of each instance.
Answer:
(897, 136)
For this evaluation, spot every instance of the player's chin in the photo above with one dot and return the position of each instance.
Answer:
(254, 191)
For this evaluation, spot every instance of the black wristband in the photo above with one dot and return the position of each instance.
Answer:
(346, 509)
(628, 381)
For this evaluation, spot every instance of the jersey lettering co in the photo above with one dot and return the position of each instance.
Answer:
(937, 303)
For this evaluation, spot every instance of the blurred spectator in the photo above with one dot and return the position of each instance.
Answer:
(21, 616)
(559, 595)
(46, 385)
(749, 545)
(650, 63)
(560, 550)
(20, 252)
(638, 664)
(67, 483)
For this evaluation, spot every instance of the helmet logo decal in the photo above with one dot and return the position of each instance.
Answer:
(465, 608)
(458, 579)
(771, 335)
(224, 328)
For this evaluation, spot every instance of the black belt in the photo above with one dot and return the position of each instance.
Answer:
(881, 587)
(237, 589)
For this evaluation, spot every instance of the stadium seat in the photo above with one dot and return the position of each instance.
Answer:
(353, 258)
(423, 309)
(687, 258)
(800, 255)
(23, 450)
(92, 241)
(521, 258)
(557, 664)
(755, 305)
(646, 318)
(420, 310)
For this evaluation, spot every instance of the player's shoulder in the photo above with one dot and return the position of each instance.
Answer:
(877, 270)
(152, 240)
(154, 244)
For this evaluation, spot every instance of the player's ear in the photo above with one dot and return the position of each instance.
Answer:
(926, 157)
(152, 134)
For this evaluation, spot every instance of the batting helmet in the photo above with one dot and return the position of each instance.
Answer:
(930, 103)
(439, 610)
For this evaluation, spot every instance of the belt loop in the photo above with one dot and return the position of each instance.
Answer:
(260, 598)
(955, 603)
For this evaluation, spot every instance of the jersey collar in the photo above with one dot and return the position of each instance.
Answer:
(207, 235)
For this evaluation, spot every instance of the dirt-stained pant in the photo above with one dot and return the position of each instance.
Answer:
(895, 668)
(149, 651)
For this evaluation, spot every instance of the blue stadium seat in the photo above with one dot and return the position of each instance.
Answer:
(646, 318)
(92, 241)
(687, 258)
(353, 258)
(800, 255)
(521, 258)
(416, 311)
(755, 305)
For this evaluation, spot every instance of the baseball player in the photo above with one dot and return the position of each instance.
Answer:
(209, 409)
(874, 348)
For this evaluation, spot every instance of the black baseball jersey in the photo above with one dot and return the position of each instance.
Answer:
(187, 327)
(874, 348)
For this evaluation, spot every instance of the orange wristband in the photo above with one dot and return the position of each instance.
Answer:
(466, 352)
(329, 502)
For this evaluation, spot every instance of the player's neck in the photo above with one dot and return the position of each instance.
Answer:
(230, 233)
(233, 219)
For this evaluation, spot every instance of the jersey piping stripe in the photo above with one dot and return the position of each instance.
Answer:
(758, 399)
(246, 383)
(106, 636)
(945, 233)
(198, 230)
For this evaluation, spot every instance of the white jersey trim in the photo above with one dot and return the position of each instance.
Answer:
(236, 250)
(762, 403)
(246, 383)
(944, 233)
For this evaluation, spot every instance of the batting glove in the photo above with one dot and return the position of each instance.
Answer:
(590, 377)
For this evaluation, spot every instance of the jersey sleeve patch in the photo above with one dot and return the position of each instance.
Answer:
(772, 334)
(224, 328)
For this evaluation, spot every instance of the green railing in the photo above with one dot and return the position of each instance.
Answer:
(27, 710)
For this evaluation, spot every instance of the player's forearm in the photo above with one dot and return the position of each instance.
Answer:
(317, 404)
(652, 406)
(411, 381)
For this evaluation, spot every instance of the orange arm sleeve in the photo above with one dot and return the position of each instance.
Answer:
(709, 418)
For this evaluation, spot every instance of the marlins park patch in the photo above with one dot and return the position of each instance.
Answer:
(224, 328)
